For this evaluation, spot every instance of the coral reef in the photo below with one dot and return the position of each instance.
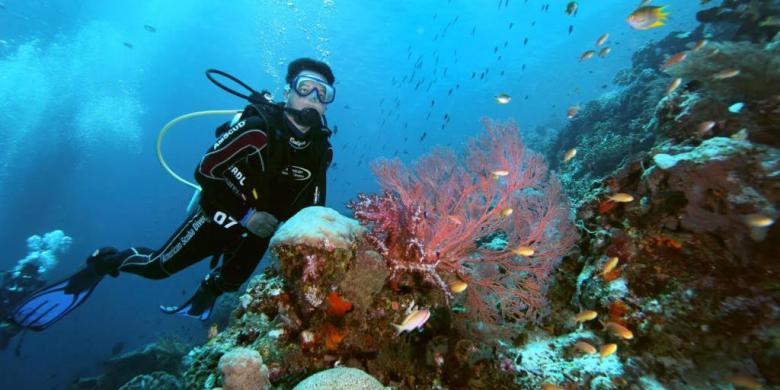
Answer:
(340, 378)
(243, 369)
(163, 356)
(493, 218)
(680, 276)
(159, 380)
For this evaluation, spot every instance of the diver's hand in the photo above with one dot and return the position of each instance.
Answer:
(260, 223)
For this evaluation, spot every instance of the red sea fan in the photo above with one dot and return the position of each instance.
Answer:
(449, 217)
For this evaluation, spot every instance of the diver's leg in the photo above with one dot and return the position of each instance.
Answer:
(197, 238)
(240, 262)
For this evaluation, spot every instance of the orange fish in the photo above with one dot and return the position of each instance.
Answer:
(675, 59)
(550, 386)
(647, 17)
(611, 264)
(700, 44)
(572, 111)
(524, 251)
(607, 349)
(602, 39)
(455, 220)
(458, 286)
(619, 330)
(586, 55)
(585, 315)
(673, 86)
(585, 347)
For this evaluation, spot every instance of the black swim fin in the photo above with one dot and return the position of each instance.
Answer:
(50, 304)
(199, 306)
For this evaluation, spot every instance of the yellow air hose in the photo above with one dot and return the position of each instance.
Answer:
(173, 122)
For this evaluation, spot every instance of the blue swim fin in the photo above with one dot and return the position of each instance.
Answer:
(199, 306)
(50, 304)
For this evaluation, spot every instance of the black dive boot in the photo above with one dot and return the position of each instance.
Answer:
(201, 304)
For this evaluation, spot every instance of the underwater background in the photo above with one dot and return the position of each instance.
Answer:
(85, 88)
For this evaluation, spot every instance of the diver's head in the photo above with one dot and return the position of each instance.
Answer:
(309, 85)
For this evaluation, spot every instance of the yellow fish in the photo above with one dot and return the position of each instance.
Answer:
(458, 286)
(647, 17)
(585, 315)
(673, 86)
(550, 386)
(758, 220)
(607, 349)
(611, 264)
(569, 154)
(524, 251)
(506, 212)
(621, 197)
(213, 331)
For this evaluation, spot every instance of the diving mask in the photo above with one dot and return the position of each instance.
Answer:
(305, 85)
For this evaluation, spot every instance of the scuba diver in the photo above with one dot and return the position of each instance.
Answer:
(265, 165)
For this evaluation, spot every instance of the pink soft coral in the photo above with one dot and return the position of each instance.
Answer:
(448, 217)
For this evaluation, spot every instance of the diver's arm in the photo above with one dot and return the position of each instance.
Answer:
(320, 185)
(236, 161)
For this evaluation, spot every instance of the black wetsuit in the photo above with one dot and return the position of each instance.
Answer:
(257, 163)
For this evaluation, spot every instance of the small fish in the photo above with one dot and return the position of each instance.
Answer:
(586, 55)
(621, 197)
(213, 331)
(524, 251)
(458, 286)
(610, 265)
(128, 45)
(506, 212)
(499, 173)
(758, 220)
(602, 39)
(455, 220)
(604, 52)
(726, 74)
(647, 17)
(569, 154)
(701, 43)
(572, 111)
(571, 8)
(644, 3)
(585, 315)
(585, 347)
(550, 386)
(414, 320)
(607, 349)
(745, 382)
(741, 135)
(675, 59)
(149, 28)
(705, 127)
(770, 21)
(503, 98)
(736, 107)
(619, 330)
(673, 86)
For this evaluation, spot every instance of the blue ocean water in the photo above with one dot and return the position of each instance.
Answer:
(85, 88)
